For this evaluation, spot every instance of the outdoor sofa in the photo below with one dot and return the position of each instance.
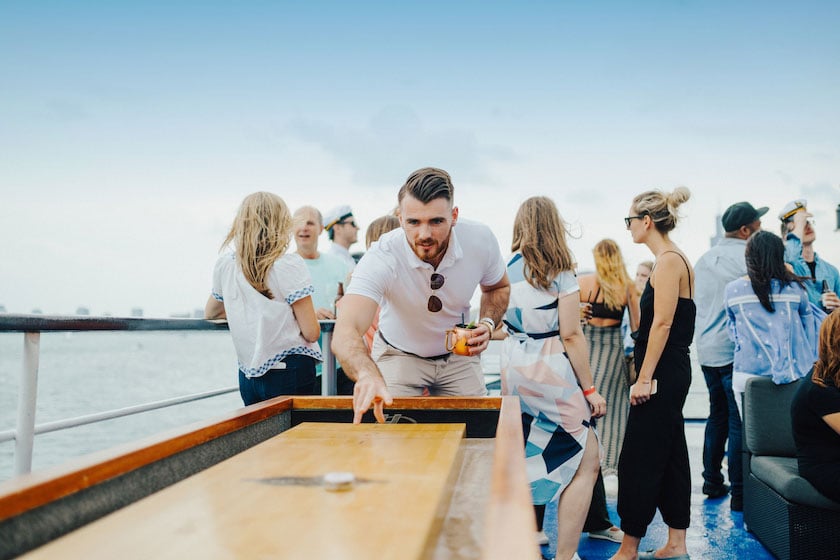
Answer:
(782, 509)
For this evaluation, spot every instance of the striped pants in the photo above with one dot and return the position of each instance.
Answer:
(606, 358)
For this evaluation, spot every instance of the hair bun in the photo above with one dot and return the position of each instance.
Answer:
(678, 196)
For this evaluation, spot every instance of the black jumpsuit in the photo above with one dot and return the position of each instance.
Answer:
(653, 470)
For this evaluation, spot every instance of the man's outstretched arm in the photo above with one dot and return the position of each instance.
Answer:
(354, 319)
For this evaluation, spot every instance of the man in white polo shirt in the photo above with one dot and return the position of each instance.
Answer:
(423, 277)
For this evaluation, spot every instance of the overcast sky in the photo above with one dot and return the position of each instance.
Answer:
(130, 131)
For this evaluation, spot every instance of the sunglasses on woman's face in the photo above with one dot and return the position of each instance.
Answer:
(434, 304)
(629, 219)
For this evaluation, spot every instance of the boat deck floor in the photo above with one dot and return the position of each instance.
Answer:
(715, 531)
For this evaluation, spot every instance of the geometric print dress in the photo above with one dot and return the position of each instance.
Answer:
(534, 367)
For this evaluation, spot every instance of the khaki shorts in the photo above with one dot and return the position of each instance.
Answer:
(407, 375)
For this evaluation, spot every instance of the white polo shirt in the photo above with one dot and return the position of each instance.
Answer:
(392, 275)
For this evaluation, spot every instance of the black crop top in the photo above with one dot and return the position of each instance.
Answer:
(601, 311)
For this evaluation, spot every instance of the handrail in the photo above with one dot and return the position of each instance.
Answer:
(56, 425)
(33, 325)
(54, 323)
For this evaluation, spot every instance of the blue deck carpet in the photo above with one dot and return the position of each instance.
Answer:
(716, 532)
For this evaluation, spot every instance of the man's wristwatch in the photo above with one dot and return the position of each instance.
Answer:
(490, 323)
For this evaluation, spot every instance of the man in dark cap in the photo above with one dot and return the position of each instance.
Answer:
(714, 270)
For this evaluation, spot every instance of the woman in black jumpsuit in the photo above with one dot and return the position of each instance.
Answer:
(653, 470)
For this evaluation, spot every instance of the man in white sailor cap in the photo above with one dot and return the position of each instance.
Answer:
(798, 233)
(343, 231)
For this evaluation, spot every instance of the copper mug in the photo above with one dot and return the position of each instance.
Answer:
(456, 340)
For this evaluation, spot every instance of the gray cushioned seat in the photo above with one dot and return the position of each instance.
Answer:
(782, 509)
(782, 475)
(771, 433)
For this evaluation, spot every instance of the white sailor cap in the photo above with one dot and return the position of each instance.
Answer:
(337, 214)
(792, 208)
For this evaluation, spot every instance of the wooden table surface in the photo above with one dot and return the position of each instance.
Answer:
(269, 501)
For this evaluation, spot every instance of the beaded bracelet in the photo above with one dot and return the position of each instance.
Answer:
(589, 391)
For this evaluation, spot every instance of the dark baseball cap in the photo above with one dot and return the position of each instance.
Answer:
(741, 214)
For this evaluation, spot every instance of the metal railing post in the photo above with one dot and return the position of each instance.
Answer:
(329, 383)
(27, 399)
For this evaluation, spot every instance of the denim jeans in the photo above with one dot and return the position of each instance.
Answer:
(297, 379)
(724, 423)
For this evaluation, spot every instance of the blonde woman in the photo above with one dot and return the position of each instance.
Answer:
(609, 291)
(545, 362)
(653, 470)
(265, 295)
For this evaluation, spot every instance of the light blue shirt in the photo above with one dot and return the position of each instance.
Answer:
(781, 345)
(326, 271)
(719, 266)
(822, 271)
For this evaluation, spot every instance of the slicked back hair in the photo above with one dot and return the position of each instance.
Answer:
(428, 184)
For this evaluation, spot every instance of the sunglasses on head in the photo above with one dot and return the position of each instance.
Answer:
(434, 304)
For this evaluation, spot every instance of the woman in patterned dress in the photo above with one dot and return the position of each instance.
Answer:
(545, 361)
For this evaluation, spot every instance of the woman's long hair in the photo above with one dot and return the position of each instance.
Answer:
(261, 233)
(827, 368)
(612, 273)
(765, 256)
(539, 234)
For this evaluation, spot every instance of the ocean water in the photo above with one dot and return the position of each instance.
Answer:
(84, 373)
(88, 372)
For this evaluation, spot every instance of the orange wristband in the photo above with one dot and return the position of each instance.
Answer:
(589, 391)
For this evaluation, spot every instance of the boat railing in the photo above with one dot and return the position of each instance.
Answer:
(33, 325)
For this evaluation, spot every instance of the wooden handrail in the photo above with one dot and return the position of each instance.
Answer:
(29, 491)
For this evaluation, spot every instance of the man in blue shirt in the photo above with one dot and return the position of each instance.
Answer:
(799, 236)
(714, 270)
